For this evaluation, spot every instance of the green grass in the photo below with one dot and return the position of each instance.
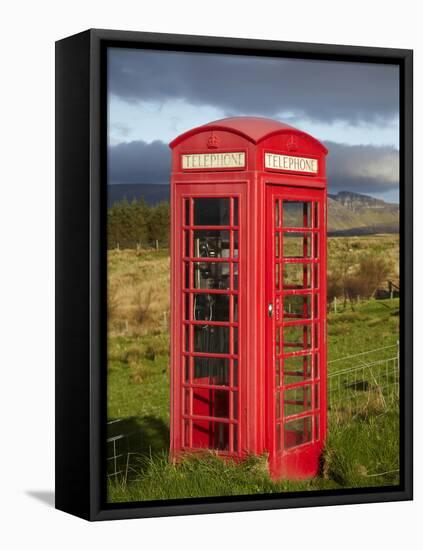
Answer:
(138, 385)
(362, 447)
(373, 324)
(346, 463)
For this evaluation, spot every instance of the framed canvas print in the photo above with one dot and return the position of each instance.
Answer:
(234, 274)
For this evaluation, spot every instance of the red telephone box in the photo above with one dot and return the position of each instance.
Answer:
(248, 293)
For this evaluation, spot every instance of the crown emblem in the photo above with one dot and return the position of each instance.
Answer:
(213, 141)
(292, 143)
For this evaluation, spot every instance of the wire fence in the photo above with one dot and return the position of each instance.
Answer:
(366, 382)
(122, 451)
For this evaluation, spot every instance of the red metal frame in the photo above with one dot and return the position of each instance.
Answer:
(236, 415)
(301, 459)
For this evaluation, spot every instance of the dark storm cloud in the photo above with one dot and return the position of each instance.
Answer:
(243, 85)
(139, 162)
(363, 169)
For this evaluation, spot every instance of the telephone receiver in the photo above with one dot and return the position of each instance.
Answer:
(209, 275)
(203, 303)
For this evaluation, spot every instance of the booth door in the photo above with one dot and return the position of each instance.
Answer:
(210, 288)
(295, 294)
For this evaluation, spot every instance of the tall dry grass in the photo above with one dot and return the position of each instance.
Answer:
(138, 290)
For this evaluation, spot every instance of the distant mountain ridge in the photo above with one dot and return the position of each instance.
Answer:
(349, 213)
(353, 212)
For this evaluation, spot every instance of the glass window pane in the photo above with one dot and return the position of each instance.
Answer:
(296, 338)
(186, 433)
(278, 372)
(316, 335)
(235, 405)
(211, 275)
(185, 367)
(277, 213)
(297, 369)
(186, 307)
(316, 427)
(211, 307)
(235, 337)
(209, 402)
(297, 400)
(316, 365)
(297, 306)
(235, 373)
(235, 312)
(211, 244)
(296, 245)
(211, 339)
(297, 276)
(316, 215)
(278, 437)
(211, 211)
(211, 370)
(296, 214)
(297, 432)
(186, 337)
(277, 246)
(186, 243)
(186, 401)
(186, 206)
(186, 275)
(278, 405)
(316, 306)
(235, 276)
(277, 276)
(235, 437)
(236, 245)
(236, 211)
(316, 276)
(316, 251)
(210, 435)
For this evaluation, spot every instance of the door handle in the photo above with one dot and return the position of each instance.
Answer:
(270, 310)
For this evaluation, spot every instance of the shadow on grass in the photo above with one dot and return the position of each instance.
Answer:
(131, 439)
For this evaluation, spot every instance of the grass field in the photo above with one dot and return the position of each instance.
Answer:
(362, 447)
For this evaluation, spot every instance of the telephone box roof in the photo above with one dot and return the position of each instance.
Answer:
(255, 129)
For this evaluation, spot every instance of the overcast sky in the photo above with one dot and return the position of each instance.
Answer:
(352, 107)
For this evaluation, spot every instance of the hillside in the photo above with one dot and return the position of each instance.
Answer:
(348, 213)
(353, 212)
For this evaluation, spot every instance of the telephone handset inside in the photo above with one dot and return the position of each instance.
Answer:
(212, 276)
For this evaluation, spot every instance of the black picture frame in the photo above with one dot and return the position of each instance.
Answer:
(81, 204)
